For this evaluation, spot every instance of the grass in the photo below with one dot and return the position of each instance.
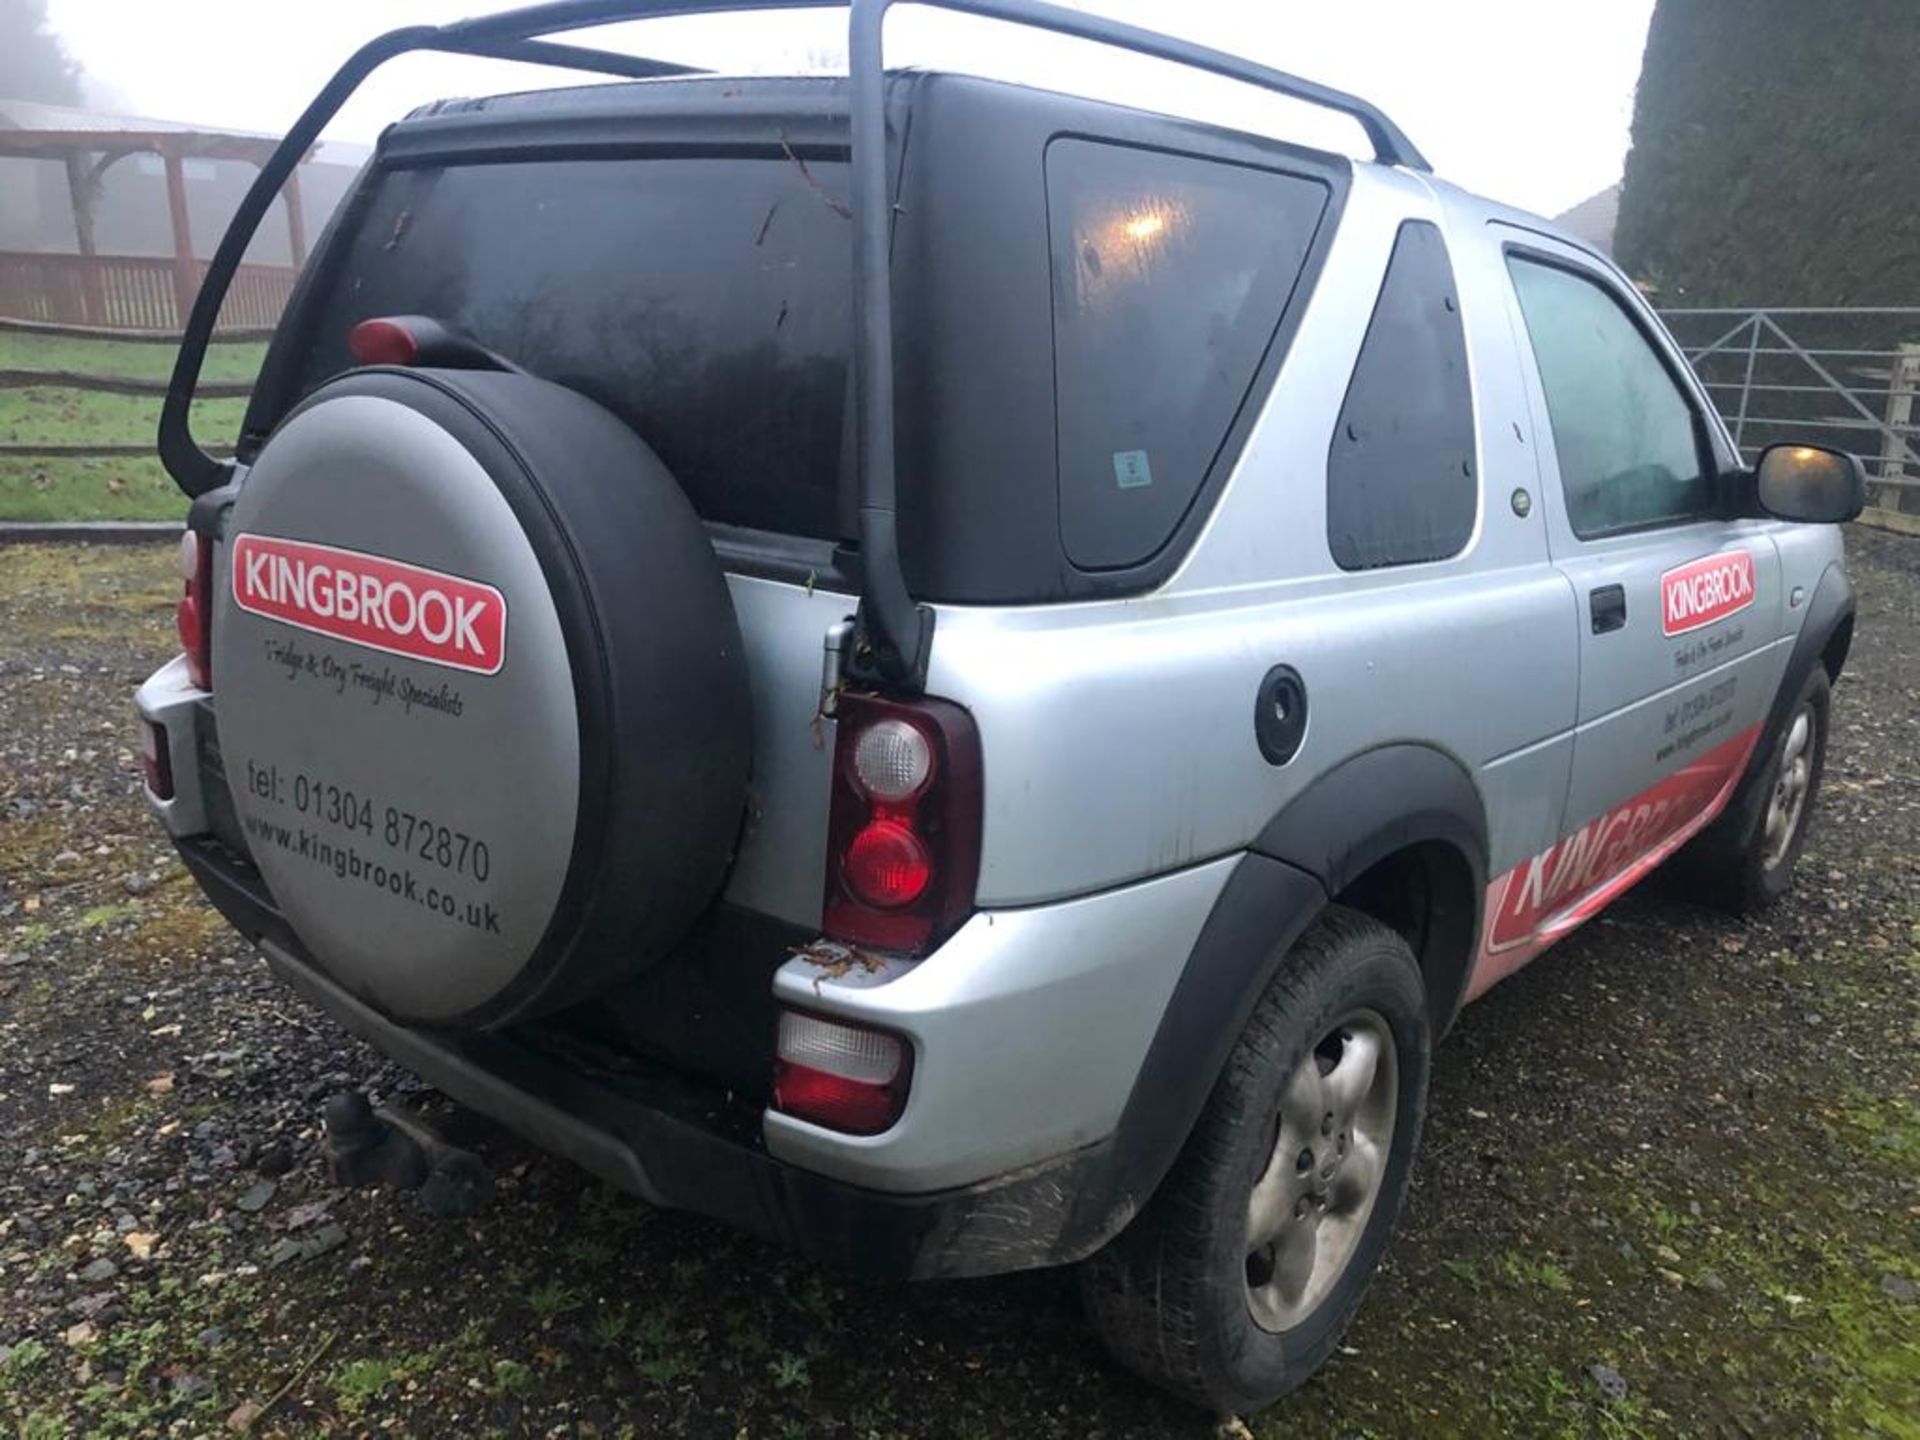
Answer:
(108, 487)
(361, 1383)
(148, 359)
(126, 488)
(552, 1300)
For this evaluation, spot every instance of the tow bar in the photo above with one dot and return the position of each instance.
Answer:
(393, 1146)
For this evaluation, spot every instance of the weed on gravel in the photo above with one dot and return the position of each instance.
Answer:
(1670, 1184)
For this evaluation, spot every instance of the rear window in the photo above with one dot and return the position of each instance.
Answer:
(1170, 274)
(705, 302)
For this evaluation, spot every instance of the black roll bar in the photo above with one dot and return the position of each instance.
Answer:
(893, 633)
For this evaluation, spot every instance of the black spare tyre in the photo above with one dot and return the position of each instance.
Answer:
(481, 695)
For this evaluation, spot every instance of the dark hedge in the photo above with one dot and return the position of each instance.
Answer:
(1776, 154)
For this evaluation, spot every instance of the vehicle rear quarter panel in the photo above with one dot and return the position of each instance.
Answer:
(1118, 736)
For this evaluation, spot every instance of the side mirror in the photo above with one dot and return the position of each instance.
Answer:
(1810, 484)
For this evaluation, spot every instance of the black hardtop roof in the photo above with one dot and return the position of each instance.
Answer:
(893, 631)
(817, 106)
(829, 94)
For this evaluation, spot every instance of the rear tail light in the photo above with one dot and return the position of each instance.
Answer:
(904, 835)
(193, 617)
(156, 764)
(844, 1077)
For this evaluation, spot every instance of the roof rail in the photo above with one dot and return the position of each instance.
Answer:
(893, 634)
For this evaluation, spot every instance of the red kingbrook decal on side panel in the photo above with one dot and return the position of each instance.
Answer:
(1703, 591)
(1543, 899)
(386, 605)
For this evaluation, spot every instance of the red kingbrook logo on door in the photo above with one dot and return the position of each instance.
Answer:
(1609, 844)
(383, 604)
(1703, 591)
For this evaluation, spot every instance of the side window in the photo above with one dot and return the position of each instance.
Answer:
(1170, 274)
(1628, 443)
(1401, 484)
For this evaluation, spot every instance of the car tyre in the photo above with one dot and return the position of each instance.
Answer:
(1744, 861)
(1238, 1278)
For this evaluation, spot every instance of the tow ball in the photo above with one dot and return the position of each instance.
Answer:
(393, 1146)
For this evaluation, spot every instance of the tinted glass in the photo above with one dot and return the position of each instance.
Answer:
(705, 302)
(1625, 436)
(1170, 274)
(1401, 486)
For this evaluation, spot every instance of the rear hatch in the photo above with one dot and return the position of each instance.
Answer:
(678, 252)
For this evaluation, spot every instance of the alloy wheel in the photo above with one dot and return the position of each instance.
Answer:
(1310, 1205)
(1788, 803)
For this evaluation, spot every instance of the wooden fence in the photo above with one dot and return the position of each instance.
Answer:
(75, 380)
(129, 292)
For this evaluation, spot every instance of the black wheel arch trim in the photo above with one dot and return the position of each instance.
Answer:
(1377, 802)
(1831, 608)
(1264, 907)
(1358, 813)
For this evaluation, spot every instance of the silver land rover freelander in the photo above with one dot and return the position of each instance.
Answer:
(963, 677)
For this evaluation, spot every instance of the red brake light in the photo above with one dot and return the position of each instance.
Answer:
(831, 1100)
(844, 1077)
(382, 342)
(904, 837)
(887, 865)
(193, 616)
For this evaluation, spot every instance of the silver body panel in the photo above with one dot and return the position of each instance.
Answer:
(1028, 1027)
(1633, 678)
(169, 698)
(1117, 736)
(780, 867)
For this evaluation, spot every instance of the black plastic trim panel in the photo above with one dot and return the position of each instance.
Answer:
(979, 508)
(1265, 906)
(1831, 607)
(1383, 800)
(683, 1144)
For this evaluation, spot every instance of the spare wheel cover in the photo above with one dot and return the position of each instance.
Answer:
(480, 692)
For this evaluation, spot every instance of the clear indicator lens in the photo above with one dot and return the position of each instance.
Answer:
(848, 1051)
(892, 760)
(189, 556)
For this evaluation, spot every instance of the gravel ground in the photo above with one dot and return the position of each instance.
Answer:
(1670, 1185)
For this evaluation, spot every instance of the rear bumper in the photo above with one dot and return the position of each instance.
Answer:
(1029, 1026)
(687, 1146)
(170, 700)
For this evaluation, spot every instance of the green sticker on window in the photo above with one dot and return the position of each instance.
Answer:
(1131, 470)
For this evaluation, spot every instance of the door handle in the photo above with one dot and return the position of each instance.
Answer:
(1608, 606)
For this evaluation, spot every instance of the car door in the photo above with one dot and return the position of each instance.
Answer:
(1679, 606)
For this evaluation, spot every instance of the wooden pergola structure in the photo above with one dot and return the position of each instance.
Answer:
(129, 291)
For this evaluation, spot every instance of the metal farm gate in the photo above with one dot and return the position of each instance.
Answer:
(1844, 377)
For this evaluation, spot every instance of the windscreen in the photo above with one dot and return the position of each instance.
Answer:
(704, 301)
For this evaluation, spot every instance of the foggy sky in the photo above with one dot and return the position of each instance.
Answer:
(1526, 101)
